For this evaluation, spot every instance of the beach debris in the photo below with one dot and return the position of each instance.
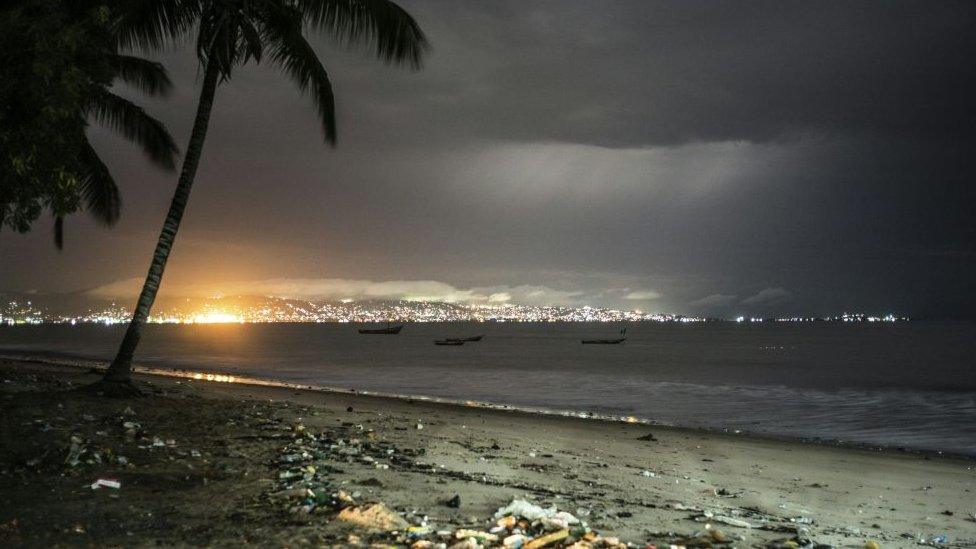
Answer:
(376, 516)
(795, 543)
(548, 539)
(476, 535)
(106, 483)
(648, 437)
(74, 452)
(871, 544)
(731, 521)
(131, 429)
(524, 509)
(454, 502)
(647, 473)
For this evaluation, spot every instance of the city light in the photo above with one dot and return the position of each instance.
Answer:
(216, 317)
(235, 310)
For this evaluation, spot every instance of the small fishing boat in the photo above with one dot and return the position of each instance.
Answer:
(463, 339)
(604, 341)
(607, 341)
(389, 330)
(453, 342)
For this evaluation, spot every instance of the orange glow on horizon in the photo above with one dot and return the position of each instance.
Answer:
(216, 317)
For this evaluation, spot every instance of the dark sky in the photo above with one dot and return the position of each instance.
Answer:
(699, 157)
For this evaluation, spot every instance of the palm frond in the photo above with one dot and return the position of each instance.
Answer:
(282, 30)
(148, 76)
(383, 24)
(98, 188)
(252, 47)
(217, 43)
(150, 24)
(136, 125)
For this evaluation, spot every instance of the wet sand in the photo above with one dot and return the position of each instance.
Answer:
(639, 483)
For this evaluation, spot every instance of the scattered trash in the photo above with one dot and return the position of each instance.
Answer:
(647, 473)
(454, 502)
(479, 537)
(524, 509)
(106, 483)
(731, 521)
(373, 517)
(75, 451)
(548, 539)
(872, 545)
(648, 437)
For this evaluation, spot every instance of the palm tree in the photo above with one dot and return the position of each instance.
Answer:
(231, 33)
(59, 61)
(96, 185)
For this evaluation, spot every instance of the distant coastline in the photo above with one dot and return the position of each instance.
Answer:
(27, 309)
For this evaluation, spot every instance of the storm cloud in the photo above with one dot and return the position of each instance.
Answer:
(626, 154)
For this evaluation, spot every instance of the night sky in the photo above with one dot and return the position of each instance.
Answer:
(712, 158)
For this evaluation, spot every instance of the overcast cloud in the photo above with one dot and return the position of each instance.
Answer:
(707, 157)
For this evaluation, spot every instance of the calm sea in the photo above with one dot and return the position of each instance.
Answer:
(907, 385)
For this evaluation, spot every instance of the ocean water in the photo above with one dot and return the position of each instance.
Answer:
(910, 385)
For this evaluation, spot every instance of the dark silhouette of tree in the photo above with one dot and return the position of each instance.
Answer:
(59, 59)
(231, 33)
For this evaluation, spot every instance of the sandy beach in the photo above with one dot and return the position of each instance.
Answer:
(202, 464)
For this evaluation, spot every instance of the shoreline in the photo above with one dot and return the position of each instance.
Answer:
(87, 363)
(638, 482)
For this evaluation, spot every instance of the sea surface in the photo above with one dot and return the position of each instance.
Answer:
(909, 385)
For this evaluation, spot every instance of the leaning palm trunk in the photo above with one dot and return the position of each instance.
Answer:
(119, 373)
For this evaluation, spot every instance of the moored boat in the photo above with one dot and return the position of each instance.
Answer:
(603, 341)
(463, 339)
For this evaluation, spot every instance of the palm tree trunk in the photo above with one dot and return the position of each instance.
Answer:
(120, 371)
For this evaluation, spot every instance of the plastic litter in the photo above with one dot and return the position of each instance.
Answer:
(480, 537)
(548, 539)
(731, 521)
(106, 483)
(373, 517)
(524, 509)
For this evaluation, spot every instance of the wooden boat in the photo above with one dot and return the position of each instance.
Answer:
(463, 339)
(454, 342)
(389, 330)
(604, 341)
